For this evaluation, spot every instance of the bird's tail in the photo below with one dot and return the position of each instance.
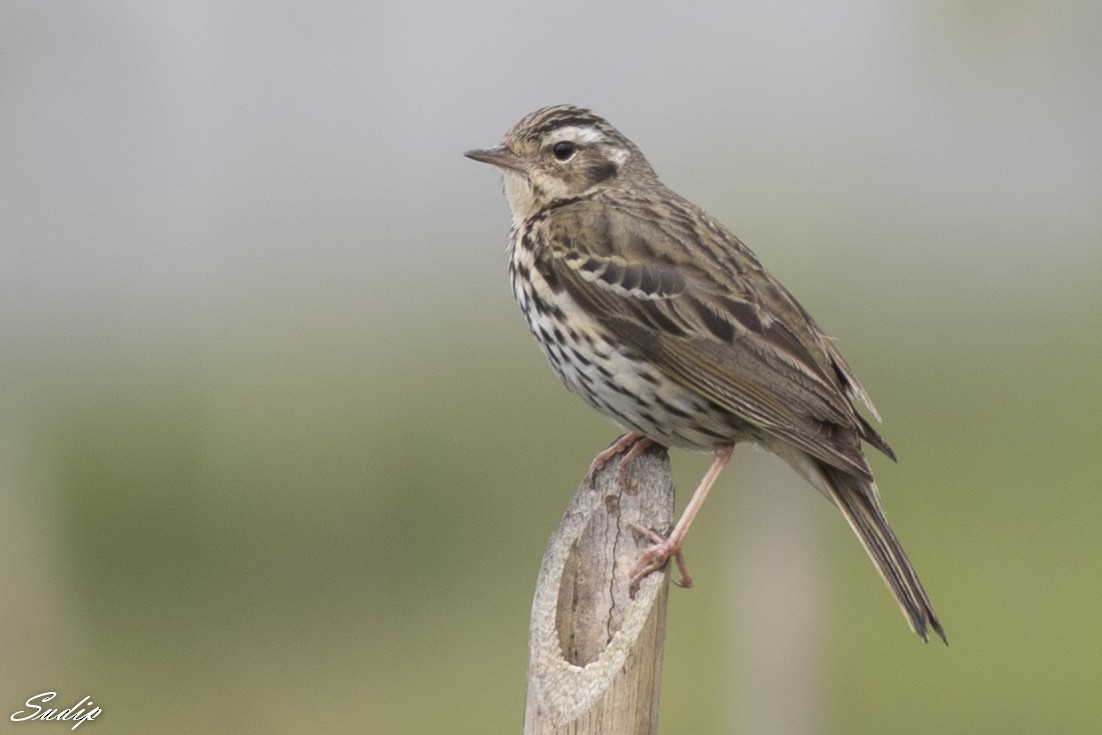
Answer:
(859, 501)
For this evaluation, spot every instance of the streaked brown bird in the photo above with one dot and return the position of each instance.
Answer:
(661, 319)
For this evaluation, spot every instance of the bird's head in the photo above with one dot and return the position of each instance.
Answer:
(561, 153)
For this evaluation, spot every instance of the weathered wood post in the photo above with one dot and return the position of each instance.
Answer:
(595, 655)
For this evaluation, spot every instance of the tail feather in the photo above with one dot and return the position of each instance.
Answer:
(859, 502)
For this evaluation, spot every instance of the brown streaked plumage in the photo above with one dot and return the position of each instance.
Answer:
(659, 317)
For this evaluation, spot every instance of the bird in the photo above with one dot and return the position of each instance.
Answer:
(658, 316)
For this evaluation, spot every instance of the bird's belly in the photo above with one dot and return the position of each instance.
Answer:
(594, 364)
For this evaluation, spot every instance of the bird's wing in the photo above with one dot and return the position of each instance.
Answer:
(713, 320)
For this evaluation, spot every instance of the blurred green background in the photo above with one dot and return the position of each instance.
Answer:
(277, 454)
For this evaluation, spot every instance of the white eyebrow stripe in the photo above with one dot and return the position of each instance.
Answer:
(585, 134)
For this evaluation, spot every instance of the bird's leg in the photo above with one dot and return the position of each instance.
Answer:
(655, 557)
(634, 442)
(641, 445)
(686, 580)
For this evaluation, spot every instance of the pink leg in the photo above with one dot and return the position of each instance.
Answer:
(641, 445)
(637, 443)
(686, 580)
(655, 557)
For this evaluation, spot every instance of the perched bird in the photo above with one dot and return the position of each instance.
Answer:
(661, 319)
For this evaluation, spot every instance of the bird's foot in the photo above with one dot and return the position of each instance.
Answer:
(654, 558)
(634, 443)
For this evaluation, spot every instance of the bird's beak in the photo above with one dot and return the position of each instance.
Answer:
(500, 157)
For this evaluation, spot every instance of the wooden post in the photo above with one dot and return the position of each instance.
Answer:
(594, 654)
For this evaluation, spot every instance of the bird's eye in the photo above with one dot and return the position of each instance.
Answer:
(563, 150)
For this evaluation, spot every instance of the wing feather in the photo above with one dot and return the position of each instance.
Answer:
(742, 343)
